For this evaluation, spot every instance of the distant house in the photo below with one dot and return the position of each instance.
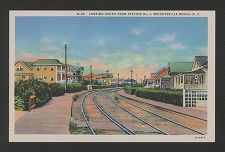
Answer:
(23, 70)
(94, 77)
(162, 78)
(159, 79)
(78, 73)
(49, 70)
(151, 82)
(107, 77)
(128, 81)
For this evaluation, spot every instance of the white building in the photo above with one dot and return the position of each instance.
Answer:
(193, 82)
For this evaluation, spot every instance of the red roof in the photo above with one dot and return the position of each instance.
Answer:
(94, 76)
(151, 78)
(85, 79)
(163, 72)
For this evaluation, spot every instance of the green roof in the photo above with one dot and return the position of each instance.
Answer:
(179, 67)
(29, 64)
(47, 62)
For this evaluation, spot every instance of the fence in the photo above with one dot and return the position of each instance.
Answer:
(193, 98)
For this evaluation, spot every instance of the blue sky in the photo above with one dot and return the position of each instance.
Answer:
(143, 44)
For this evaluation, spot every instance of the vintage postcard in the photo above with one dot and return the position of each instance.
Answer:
(112, 76)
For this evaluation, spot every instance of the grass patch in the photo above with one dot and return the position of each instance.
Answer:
(75, 97)
(78, 130)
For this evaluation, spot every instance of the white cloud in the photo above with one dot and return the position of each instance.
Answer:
(166, 38)
(134, 46)
(46, 41)
(100, 42)
(137, 31)
(177, 46)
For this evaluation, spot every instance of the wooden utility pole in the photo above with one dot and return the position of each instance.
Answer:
(136, 78)
(91, 73)
(131, 71)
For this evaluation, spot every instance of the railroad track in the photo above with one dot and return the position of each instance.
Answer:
(118, 123)
(111, 118)
(137, 117)
(84, 115)
(160, 108)
(157, 115)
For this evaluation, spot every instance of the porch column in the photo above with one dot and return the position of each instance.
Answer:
(183, 97)
(61, 75)
(183, 81)
(175, 81)
(160, 83)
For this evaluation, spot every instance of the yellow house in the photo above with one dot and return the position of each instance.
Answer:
(23, 70)
(107, 77)
(108, 81)
(47, 70)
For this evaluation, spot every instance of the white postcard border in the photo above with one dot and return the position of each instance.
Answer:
(210, 137)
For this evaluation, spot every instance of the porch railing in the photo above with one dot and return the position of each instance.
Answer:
(192, 86)
(195, 86)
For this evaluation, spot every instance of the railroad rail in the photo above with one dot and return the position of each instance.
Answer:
(84, 115)
(114, 120)
(139, 118)
(161, 108)
(167, 119)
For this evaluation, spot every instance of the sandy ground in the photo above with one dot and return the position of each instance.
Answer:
(52, 118)
(19, 114)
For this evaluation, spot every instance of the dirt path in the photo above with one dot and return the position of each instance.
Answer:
(52, 118)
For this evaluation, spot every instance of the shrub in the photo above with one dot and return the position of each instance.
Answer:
(72, 127)
(24, 89)
(131, 90)
(75, 97)
(76, 87)
(57, 89)
(167, 96)
(20, 104)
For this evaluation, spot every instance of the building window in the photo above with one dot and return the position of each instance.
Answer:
(51, 78)
(181, 79)
(38, 68)
(23, 77)
(45, 68)
(197, 79)
(38, 77)
(45, 77)
(51, 68)
(20, 68)
(58, 68)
